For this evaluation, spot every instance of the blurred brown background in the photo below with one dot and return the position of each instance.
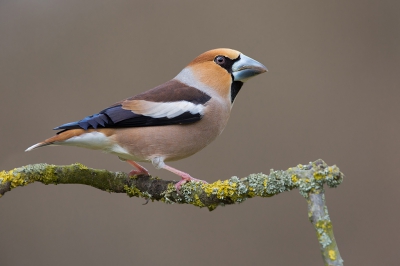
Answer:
(332, 93)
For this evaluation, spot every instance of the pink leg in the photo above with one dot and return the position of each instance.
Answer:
(140, 169)
(185, 177)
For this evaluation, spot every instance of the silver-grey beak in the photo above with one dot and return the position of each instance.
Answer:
(246, 68)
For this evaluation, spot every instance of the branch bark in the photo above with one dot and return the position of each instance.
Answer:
(309, 179)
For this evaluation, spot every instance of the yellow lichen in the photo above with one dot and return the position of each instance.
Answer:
(294, 178)
(80, 166)
(318, 176)
(133, 191)
(16, 179)
(324, 224)
(332, 254)
(197, 201)
(225, 189)
(218, 188)
(48, 175)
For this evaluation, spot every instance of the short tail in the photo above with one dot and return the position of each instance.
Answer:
(59, 138)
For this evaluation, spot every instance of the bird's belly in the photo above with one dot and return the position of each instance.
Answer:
(171, 143)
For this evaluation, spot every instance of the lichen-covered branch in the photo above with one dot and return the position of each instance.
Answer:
(309, 179)
(306, 178)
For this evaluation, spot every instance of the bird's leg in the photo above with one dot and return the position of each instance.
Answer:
(140, 169)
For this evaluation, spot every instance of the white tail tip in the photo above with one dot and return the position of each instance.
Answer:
(37, 145)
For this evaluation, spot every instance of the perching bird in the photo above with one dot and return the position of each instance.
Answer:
(169, 122)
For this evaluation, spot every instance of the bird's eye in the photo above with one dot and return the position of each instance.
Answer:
(220, 60)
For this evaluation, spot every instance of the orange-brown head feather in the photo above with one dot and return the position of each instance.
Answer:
(209, 56)
(208, 72)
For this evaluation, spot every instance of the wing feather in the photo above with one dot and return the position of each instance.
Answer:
(182, 105)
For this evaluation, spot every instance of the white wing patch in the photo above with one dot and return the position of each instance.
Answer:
(168, 109)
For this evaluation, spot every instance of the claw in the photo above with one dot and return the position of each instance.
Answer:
(140, 170)
(187, 178)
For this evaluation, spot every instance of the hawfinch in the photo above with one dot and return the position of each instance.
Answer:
(169, 122)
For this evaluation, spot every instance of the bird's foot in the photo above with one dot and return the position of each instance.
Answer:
(186, 178)
(137, 172)
(140, 170)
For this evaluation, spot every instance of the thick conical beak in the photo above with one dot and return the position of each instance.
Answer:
(246, 67)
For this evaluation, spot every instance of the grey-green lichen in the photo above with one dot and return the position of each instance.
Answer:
(189, 193)
(324, 239)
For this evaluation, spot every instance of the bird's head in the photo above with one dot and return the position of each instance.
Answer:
(225, 70)
(223, 60)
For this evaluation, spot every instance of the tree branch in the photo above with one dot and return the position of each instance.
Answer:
(309, 179)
